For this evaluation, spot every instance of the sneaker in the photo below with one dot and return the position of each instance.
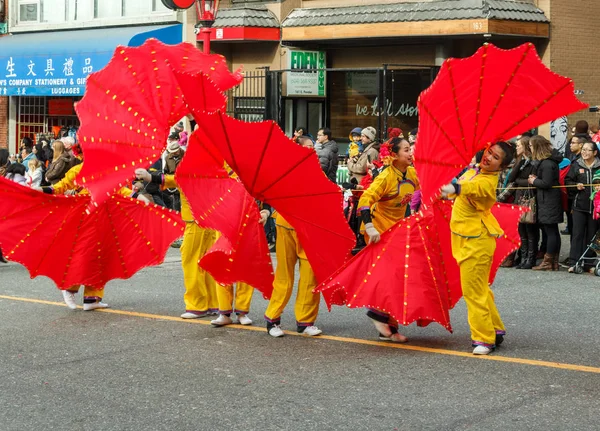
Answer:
(312, 331)
(482, 350)
(69, 298)
(276, 331)
(177, 243)
(2, 259)
(394, 338)
(222, 320)
(94, 305)
(565, 232)
(190, 315)
(243, 319)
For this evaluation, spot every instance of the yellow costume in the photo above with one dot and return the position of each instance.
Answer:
(90, 293)
(474, 230)
(243, 298)
(388, 196)
(200, 288)
(288, 251)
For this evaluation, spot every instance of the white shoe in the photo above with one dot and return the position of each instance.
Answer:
(69, 298)
(222, 320)
(94, 305)
(482, 350)
(188, 315)
(312, 331)
(276, 331)
(243, 319)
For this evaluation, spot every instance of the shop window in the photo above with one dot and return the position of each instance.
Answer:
(31, 117)
(53, 11)
(78, 10)
(356, 99)
(29, 11)
(108, 8)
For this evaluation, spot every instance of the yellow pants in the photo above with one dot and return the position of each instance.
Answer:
(243, 297)
(90, 293)
(200, 288)
(289, 251)
(474, 257)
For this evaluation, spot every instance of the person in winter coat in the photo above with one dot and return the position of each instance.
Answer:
(43, 151)
(327, 150)
(358, 165)
(35, 173)
(16, 173)
(580, 175)
(27, 155)
(548, 198)
(529, 232)
(61, 163)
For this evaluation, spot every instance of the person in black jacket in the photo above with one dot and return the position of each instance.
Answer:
(529, 232)
(579, 177)
(327, 150)
(548, 199)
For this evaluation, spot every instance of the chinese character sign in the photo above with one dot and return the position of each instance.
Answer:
(52, 75)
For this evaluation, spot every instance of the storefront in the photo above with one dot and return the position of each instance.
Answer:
(44, 73)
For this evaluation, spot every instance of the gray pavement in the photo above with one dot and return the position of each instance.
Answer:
(75, 370)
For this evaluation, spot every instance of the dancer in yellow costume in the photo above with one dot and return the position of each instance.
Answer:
(243, 293)
(289, 251)
(200, 296)
(92, 295)
(381, 206)
(474, 232)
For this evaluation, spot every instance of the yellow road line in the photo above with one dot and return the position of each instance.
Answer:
(513, 360)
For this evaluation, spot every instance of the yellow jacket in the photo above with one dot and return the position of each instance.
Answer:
(388, 196)
(472, 207)
(68, 183)
(186, 212)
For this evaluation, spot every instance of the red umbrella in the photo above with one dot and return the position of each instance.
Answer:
(493, 95)
(130, 104)
(55, 236)
(288, 177)
(221, 203)
(411, 273)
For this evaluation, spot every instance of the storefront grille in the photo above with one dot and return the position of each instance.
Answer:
(31, 116)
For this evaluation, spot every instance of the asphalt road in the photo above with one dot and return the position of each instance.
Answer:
(140, 367)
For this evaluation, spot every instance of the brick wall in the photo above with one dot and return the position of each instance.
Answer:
(4, 102)
(3, 122)
(573, 46)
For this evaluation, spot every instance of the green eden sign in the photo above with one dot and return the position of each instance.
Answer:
(306, 76)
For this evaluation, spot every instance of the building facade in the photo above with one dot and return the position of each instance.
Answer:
(340, 63)
(53, 45)
(379, 54)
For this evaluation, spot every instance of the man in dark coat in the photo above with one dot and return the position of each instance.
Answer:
(327, 150)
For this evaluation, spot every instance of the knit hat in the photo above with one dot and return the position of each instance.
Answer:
(356, 131)
(369, 132)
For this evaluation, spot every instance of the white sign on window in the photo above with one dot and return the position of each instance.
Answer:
(306, 76)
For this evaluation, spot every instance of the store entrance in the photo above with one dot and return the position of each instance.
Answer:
(301, 112)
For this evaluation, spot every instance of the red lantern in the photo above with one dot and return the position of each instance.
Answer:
(207, 11)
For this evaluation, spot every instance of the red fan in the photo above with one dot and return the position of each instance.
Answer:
(493, 95)
(130, 104)
(289, 178)
(411, 273)
(55, 236)
(221, 203)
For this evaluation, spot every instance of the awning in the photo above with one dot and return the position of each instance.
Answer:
(58, 63)
(246, 23)
(440, 18)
